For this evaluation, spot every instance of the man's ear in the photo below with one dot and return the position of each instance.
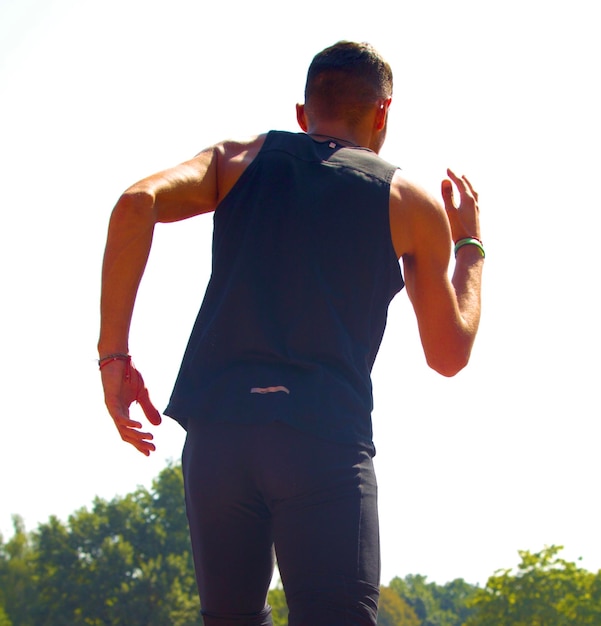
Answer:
(382, 113)
(301, 117)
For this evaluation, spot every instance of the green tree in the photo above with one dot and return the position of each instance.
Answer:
(545, 591)
(124, 562)
(435, 605)
(18, 581)
(4, 619)
(455, 598)
(394, 611)
(279, 607)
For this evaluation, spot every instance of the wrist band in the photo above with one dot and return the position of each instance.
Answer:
(470, 241)
(118, 356)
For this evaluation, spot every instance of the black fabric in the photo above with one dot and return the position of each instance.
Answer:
(303, 273)
(250, 487)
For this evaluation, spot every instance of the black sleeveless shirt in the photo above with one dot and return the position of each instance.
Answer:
(303, 272)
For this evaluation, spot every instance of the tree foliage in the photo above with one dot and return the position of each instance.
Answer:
(394, 611)
(279, 608)
(17, 575)
(435, 605)
(4, 619)
(124, 562)
(127, 562)
(545, 591)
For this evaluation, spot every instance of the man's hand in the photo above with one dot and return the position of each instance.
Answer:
(123, 384)
(464, 219)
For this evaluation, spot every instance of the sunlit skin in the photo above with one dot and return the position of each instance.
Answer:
(423, 229)
(124, 385)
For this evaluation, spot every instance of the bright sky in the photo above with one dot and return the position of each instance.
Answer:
(94, 96)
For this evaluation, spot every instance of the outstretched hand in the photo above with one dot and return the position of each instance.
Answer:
(123, 384)
(465, 218)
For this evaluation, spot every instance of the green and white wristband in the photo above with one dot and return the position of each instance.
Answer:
(470, 241)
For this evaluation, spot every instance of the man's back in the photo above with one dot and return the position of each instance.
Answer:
(303, 272)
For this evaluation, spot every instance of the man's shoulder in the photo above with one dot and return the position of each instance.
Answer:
(240, 147)
(413, 209)
(410, 191)
(236, 151)
(233, 156)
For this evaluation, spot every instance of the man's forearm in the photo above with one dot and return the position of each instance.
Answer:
(467, 281)
(128, 244)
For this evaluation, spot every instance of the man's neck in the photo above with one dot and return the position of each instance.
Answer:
(341, 134)
(329, 136)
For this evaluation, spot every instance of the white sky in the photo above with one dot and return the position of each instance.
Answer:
(94, 96)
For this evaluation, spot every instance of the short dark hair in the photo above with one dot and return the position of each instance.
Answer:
(345, 79)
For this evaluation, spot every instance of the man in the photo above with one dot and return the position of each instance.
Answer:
(274, 389)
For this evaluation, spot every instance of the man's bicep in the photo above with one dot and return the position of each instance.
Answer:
(424, 236)
(427, 282)
(198, 185)
(183, 191)
(430, 290)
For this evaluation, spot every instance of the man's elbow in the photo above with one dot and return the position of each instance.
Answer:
(448, 365)
(136, 205)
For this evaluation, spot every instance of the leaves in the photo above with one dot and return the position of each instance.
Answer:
(122, 563)
(394, 611)
(435, 605)
(545, 591)
(18, 581)
(127, 562)
(279, 608)
(4, 619)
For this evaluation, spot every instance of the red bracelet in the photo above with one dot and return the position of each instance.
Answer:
(109, 358)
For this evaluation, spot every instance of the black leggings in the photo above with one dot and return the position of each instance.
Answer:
(252, 487)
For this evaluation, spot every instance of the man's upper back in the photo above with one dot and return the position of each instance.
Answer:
(303, 272)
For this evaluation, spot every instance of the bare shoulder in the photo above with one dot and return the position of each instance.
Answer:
(415, 214)
(233, 157)
(240, 149)
(197, 185)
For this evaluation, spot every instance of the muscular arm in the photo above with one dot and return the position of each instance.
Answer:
(191, 188)
(186, 190)
(447, 310)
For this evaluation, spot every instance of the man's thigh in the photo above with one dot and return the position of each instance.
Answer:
(230, 527)
(326, 531)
